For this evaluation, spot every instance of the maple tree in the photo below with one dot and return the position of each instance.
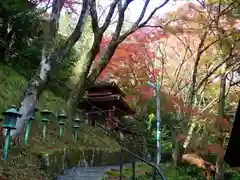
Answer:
(132, 65)
(190, 40)
(53, 54)
(208, 53)
(190, 90)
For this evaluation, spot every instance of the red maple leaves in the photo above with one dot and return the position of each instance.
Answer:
(133, 63)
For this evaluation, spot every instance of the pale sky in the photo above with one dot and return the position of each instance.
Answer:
(136, 7)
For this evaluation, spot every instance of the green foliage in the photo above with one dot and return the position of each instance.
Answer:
(222, 2)
(62, 73)
(24, 162)
(169, 122)
(12, 86)
(144, 172)
(24, 28)
(19, 24)
(30, 57)
(113, 173)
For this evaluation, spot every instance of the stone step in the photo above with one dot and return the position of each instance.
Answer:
(91, 173)
(86, 173)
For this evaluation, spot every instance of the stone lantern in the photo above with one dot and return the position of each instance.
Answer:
(76, 123)
(10, 118)
(45, 118)
(31, 118)
(61, 117)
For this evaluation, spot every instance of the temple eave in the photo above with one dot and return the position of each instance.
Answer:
(105, 103)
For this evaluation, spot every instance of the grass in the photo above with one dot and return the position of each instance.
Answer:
(184, 172)
(144, 172)
(23, 162)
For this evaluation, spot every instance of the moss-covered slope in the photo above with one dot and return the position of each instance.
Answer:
(28, 162)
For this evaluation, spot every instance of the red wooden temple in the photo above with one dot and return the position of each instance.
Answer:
(105, 99)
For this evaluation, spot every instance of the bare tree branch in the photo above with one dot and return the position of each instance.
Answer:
(76, 34)
(178, 70)
(201, 2)
(137, 25)
(109, 16)
(54, 17)
(94, 16)
(213, 42)
(235, 83)
(121, 16)
(88, 78)
(108, 53)
(216, 68)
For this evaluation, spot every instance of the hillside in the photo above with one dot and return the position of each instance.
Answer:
(28, 162)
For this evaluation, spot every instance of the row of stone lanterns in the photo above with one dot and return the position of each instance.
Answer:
(11, 116)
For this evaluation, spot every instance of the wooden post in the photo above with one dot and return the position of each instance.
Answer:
(91, 117)
(114, 115)
(108, 119)
(207, 174)
(86, 118)
(93, 123)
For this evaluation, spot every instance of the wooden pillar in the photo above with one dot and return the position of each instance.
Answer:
(109, 119)
(93, 123)
(115, 122)
(207, 174)
(86, 118)
(93, 116)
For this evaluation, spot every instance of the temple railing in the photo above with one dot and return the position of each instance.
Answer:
(156, 169)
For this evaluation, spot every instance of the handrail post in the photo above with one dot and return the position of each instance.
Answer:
(133, 168)
(155, 168)
(121, 164)
(154, 174)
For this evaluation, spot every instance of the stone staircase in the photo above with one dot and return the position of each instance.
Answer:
(87, 173)
(82, 173)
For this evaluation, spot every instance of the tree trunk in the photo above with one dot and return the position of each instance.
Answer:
(176, 155)
(220, 161)
(30, 96)
(84, 78)
(3, 39)
(2, 53)
(120, 7)
(194, 124)
(189, 136)
(80, 88)
(176, 152)
(51, 57)
(192, 91)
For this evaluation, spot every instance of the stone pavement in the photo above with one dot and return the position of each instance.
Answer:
(86, 173)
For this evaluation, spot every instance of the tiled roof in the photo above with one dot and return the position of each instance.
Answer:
(104, 98)
(101, 84)
(121, 102)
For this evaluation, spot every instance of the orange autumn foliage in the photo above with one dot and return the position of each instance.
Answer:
(132, 66)
(198, 161)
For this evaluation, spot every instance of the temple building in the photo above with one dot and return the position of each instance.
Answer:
(104, 102)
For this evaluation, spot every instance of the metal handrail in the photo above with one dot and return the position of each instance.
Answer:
(156, 169)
